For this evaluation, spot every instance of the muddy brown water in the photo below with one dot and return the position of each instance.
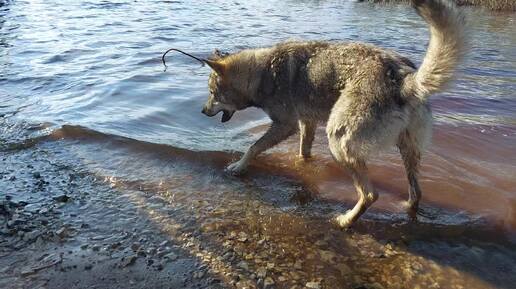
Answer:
(81, 85)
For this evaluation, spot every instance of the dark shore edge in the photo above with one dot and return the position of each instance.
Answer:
(495, 5)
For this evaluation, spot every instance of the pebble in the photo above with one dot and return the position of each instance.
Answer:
(115, 245)
(151, 251)
(128, 261)
(268, 283)
(261, 272)
(163, 251)
(135, 246)
(327, 256)
(374, 285)
(243, 265)
(159, 266)
(170, 256)
(32, 235)
(199, 275)
(313, 285)
(62, 232)
(62, 198)
(27, 272)
(242, 237)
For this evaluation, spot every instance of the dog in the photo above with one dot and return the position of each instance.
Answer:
(370, 98)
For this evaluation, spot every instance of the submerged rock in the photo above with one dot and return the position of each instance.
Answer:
(128, 261)
(62, 198)
(170, 257)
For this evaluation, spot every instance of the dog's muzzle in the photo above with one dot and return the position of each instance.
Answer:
(226, 114)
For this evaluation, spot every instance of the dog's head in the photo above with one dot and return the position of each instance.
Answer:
(227, 92)
(232, 84)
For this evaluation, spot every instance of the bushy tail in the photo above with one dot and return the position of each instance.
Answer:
(447, 44)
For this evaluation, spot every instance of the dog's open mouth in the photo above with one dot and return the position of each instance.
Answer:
(226, 115)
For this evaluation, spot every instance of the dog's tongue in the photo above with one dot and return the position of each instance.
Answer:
(226, 115)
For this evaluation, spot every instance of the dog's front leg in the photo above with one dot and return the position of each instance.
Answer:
(274, 135)
(307, 134)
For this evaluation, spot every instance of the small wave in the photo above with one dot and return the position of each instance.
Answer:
(21, 135)
(154, 60)
(73, 132)
(104, 5)
(55, 58)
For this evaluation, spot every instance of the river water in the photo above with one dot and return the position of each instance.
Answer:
(85, 77)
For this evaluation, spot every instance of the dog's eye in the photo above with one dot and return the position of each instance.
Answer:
(219, 97)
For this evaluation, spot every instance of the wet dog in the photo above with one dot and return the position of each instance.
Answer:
(371, 98)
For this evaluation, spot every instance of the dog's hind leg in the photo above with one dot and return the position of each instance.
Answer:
(306, 135)
(411, 155)
(356, 165)
(366, 194)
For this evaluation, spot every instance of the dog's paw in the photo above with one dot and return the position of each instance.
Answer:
(301, 162)
(305, 157)
(411, 210)
(344, 221)
(237, 168)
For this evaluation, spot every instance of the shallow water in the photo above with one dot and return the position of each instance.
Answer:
(86, 77)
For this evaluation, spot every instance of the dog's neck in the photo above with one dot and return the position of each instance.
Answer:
(246, 71)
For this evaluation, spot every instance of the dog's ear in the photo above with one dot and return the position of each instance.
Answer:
(217, 65)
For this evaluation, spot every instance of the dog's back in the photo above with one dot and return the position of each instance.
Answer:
(310, 76)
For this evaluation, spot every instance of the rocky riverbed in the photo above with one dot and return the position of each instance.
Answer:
(68, 222)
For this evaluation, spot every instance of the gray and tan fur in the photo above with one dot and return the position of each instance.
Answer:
(371, 98)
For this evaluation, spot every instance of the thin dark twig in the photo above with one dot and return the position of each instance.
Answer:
(203, 61)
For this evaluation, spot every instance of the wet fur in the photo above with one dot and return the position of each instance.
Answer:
(371, 98)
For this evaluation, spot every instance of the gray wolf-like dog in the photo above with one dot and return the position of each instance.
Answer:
(370, 98)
